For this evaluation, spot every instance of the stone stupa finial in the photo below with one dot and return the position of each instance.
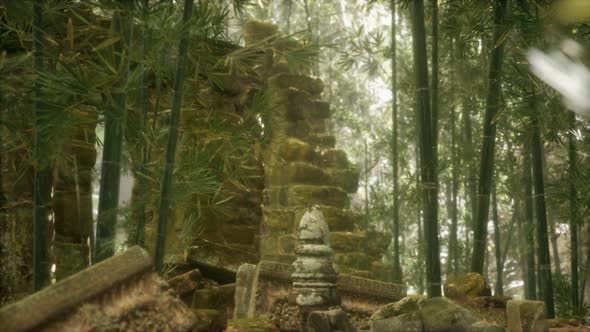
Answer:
(314, 278)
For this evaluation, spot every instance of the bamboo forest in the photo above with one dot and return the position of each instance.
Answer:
(295, 165)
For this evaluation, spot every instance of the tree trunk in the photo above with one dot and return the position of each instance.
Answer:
(574, 225)
(397, 269)
(172, 138)
(42, 183)
(428, 162)
(453, 248)
(499, 286)
(489, 138)
(545, 280)
(529, 229)
(145, 146)
(113, 140)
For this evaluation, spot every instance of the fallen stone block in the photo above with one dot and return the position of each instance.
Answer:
(120, 293)
(525, 316)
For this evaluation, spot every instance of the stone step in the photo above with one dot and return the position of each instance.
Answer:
(304, 194)
(293, 149)
(347, 241)
(309, 84)
(301, 105)
(283, 220)
(334, 158)
(347, 179)
(351, 261)
(297, 173)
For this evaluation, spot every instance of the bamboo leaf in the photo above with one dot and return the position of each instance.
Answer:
(106, 43)
(502, 38)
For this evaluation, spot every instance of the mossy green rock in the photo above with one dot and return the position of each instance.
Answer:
(526, 316)
(470, 285)
(255, 31)
(408, 304)
(256, 324)
(352, 261)
(309, 194)
(334, 158)
(440, 314)
(347, 241)
(296, 150)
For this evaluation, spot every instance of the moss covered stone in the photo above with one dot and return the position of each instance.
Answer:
(525, 316)
(352, 261)
(297, 150)
(256, 324)
(277, 221)
(408, 304)
(338, 219)
(470, 285)
(287, 244)
(308, 84)
(347, 178)
(347, 241)
(334, 158)
(302, 195)
(255, 31)
(297, 173)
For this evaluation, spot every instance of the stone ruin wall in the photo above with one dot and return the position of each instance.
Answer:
(301, 167)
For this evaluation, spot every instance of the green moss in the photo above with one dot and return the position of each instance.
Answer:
(256, 324)
(255, 31)
(347, 241)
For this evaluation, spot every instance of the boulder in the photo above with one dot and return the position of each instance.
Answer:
(417, 313)
(470, 285)
(525, 316)
(483, 326)
(329, 321)
(441, 315)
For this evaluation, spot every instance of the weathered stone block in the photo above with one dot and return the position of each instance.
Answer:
(333, 158)
(309, 194)
(269, 244)
(244, 288)
(296, 150)
(186, 283)
(353, 260)
(238, 234)
(347, 178)
(525, 316)
(470, 285)
(255, 31)
(334, 320)
(297, 173)
(287, 244)
(347, 241)
(279, 258)
(309, 84)
(277, 221)
(338, 220)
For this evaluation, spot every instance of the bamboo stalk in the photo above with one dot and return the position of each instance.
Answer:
(172, 139)
(489, 141)
(42, 186)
